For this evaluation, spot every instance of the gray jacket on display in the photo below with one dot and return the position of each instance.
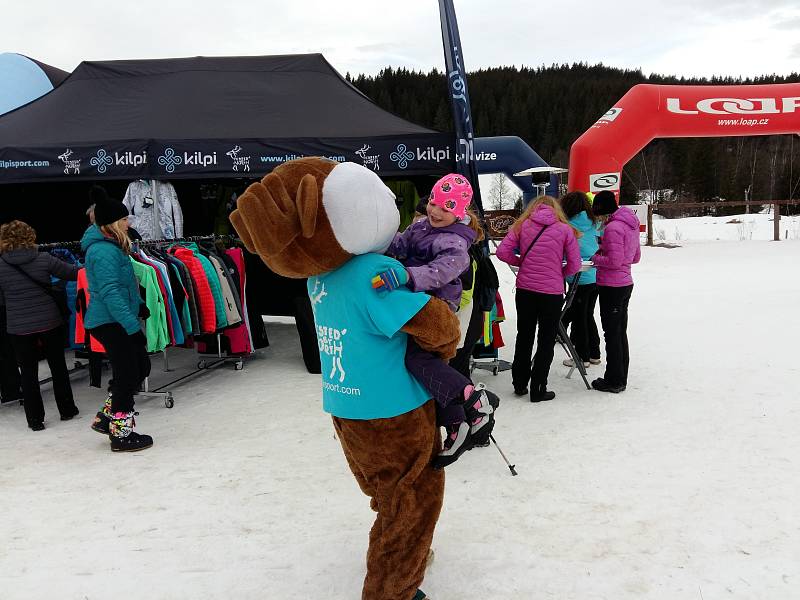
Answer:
(29, 308)
(142, 205)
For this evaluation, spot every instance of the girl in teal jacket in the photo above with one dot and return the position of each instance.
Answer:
(584, 334)
(112, 318)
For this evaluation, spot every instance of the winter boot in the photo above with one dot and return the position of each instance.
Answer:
(595, 361)
(601, 385)
(123, 437)
(479, 408)
(458, 441)
(102, 418)
(539, 393)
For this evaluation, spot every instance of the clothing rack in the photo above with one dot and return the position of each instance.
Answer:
(203, 364)
(205, 361)
(76, 245)
(59, 246)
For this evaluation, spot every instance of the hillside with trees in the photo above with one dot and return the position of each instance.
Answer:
(550, 107)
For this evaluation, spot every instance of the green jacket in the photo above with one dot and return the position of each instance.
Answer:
(113, 287)
(156, 328)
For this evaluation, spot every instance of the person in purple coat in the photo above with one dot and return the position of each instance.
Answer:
(435, 252)
(619, 249)
(537, 243)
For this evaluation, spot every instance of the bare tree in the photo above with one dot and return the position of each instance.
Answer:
(500, 193)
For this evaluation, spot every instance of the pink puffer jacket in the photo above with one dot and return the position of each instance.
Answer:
(542, 270)
(619, 249)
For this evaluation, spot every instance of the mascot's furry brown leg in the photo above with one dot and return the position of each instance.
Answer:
(331, 223)
(405, 492)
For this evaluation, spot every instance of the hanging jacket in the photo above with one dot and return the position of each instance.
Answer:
(213, 282)
(190, 312)
(241, 339)
(82, 337)
(619, 249)
(587, 243)
(29, 308)
(542, 270)
(231, 311)
(173, 320)
(156, 324)
(70, 288)
(140, 204)
(434, 257)
(203, 295)
(112, 284)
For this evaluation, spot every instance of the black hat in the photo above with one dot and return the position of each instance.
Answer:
(605, 203)
(107, 210)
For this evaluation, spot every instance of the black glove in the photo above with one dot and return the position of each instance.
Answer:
(144, 312)
(138, 338)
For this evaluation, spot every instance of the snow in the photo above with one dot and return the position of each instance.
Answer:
(759, 226)
(684, 486)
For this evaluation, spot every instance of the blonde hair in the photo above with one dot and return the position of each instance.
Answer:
(475, 224)
(16, 235)
(546, 201)
(115, 230)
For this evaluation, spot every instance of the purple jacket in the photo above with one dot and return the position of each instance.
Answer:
(619, 249)
(434, 258)
(542, 270)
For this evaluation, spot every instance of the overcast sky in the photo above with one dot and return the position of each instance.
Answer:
(679, 37)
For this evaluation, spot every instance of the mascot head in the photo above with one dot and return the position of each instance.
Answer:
(311, 215)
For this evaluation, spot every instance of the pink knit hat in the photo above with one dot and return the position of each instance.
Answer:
(453, 193)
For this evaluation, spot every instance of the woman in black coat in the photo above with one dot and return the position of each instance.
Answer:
(33, 317)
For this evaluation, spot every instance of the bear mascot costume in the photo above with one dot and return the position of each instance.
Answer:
(330, 222)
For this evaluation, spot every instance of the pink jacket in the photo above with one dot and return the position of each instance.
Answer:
(543, 269)
(619, 249)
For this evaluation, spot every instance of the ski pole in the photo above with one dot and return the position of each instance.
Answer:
(510, 466)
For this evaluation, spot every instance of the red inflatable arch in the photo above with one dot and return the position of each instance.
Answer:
(648, 111)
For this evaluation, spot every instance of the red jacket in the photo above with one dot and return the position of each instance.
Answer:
(206, 307)
(82, 302)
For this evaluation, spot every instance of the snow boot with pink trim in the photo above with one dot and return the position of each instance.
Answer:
(103, 417)
(123, 437)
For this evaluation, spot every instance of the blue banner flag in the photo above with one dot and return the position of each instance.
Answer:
(459, 98)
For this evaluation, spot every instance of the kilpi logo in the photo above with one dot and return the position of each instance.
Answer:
(130, 159)
(169, 160)
(102, 161)
(401, 155)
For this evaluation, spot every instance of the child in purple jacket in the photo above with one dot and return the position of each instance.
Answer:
(435, 252)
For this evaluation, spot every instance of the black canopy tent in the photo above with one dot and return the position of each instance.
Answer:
(200, 119)
(208, 118)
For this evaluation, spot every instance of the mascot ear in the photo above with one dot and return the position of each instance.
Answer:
(307, 201)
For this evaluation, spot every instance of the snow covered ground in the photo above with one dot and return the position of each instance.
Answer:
(739, 227)
(684, 487)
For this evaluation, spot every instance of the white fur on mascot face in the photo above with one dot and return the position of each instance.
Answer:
(360, 208)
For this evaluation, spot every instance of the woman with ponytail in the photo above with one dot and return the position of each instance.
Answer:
(112, 318)
(539, 243)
